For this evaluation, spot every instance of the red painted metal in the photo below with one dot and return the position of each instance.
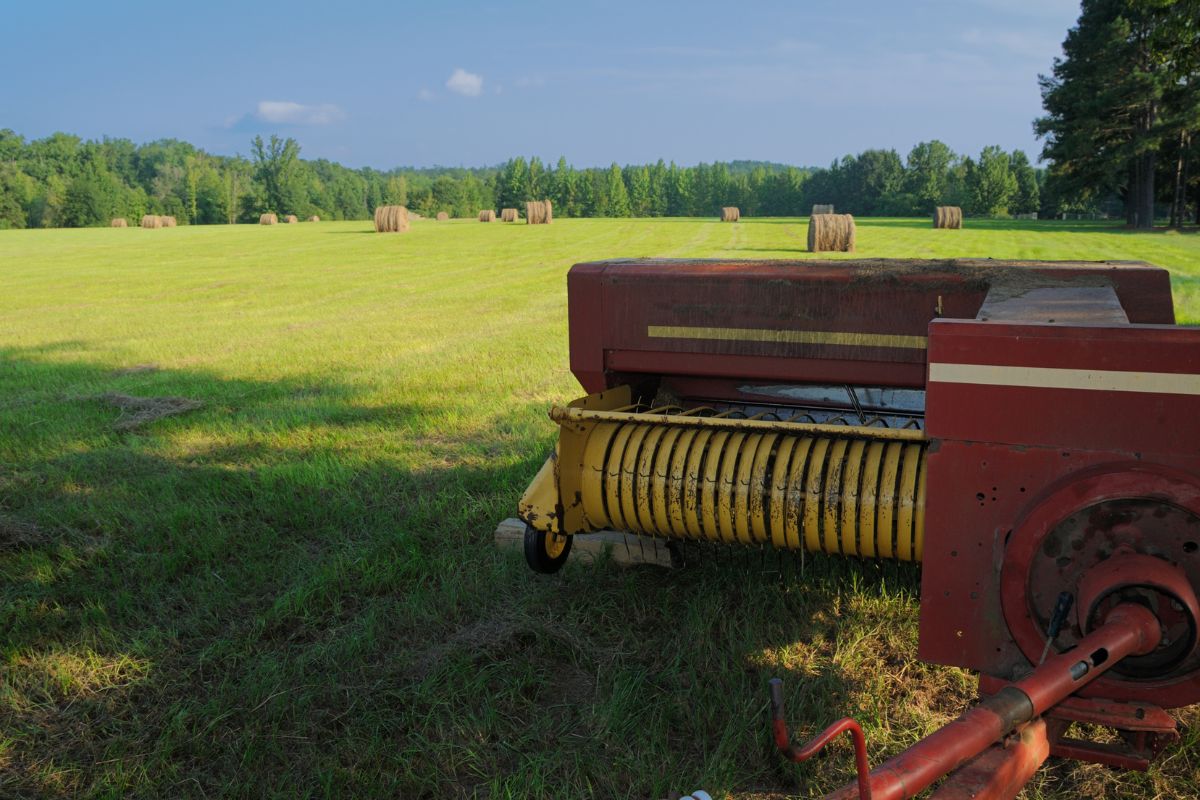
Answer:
(1032, 485)
(1001, 771)
(611, 305)
(1027, 545)
(1010, 464)
(783, 739)
(1130, 630)
(1145, 729)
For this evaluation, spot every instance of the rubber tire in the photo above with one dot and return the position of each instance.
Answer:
(536, 556)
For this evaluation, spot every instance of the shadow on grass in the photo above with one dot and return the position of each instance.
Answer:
(246, 601)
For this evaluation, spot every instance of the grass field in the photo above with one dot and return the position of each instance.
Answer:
(292, 591)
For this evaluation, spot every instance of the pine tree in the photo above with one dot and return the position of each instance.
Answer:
(639, 191)
(616, 193)
(1027, 198)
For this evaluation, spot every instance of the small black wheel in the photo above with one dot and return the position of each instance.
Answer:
(546, 553)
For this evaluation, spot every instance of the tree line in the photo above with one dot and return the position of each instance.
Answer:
(64, 181)
(1123, 108)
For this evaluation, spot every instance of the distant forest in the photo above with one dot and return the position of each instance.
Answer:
(64, 181)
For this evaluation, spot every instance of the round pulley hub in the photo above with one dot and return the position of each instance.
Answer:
(1163, 588)
(1125, 536)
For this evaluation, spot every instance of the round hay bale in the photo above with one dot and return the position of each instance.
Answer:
(314, 218)
(539, 212)
(291, 219)
(831, 233)
(442, 216)
(168, 221)
(822, 208)
(268, 219)
(730, 214)
(391, 219)
(487, 215)
(119, 222)
(508, 215)
(151, 221)
(947, 217)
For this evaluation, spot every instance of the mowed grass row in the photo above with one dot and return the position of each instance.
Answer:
(292, 591)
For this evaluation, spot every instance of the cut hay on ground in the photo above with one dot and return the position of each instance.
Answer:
(314, 218)
(119, 222)
(442, 216)
(139, 411)
(947, 217)
(391, 219)
(539, 212)
(487, 215)
(831, 233)
(151, 221)
(822, 208)
(16, 534)
(168, 221)
(730, 214)
(268, 219)
(508, 215)
(291, 219)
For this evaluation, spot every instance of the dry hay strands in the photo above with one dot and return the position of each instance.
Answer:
(487, 215)
(268, 219)
(730, 214)
(314, 218)
(151, 221)
(391, 219)
(821, 208)
(139, 411)
(508, 215)
(119, 222)
(832, 233)
(291, 219)
(539, 212)
(168, 221)
(947, 217)
(442, 216)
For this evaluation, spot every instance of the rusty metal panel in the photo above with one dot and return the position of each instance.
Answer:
(863, 321)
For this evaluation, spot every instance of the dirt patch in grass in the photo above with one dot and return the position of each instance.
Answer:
(16, 534)
(139, 411)
(484, 635)
(136, 369)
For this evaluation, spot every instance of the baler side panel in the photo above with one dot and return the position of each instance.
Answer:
(998, 449)
(862, 322)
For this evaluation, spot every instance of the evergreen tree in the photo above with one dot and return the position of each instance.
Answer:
(639, 191)
(1027, 198)
(512, 185)
(616, 195)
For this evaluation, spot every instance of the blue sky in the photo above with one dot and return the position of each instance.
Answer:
(462, 83)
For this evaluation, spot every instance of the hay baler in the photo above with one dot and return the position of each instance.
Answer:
(1028, 431)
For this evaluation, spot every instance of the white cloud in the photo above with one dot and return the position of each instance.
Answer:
(285, 112)
(465, 83)
(425, 94)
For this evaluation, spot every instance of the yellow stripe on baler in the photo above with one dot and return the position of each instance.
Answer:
(776, 336)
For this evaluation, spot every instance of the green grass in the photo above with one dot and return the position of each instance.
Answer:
(293, 591)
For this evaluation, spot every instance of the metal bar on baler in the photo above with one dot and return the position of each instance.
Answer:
(1131, 629)
(566, 415)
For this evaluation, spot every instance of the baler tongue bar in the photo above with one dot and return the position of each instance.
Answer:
(708, 475)
(1129, 630)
